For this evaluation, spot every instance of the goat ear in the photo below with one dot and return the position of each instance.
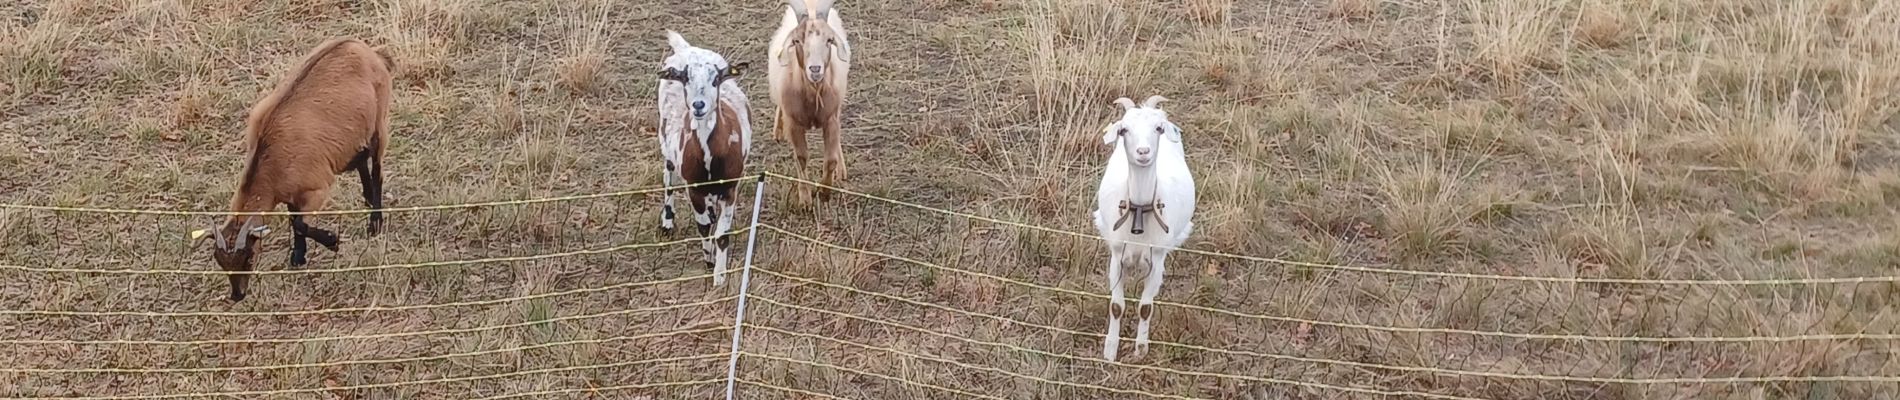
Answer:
(842, 43)
(1110, 133)
(1174, 132)
(198, 237)
(674, 39)
(790, 53)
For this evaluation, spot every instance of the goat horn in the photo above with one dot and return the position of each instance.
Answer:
(1152, 101)
(799, 7)
(217, 234)
(1126, 103)
(244, 233)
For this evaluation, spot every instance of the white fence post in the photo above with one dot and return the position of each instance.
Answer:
(745, 284)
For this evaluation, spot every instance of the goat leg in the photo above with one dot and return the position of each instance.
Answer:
(778, 125)
(370, 171)
(299, 241)
(834, 150)
(797, 135)
(666, 203)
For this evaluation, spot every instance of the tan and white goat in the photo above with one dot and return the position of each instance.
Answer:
(330, 115)
(705, 136)
(809, 61)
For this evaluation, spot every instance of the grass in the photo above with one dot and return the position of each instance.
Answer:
(1697, 139)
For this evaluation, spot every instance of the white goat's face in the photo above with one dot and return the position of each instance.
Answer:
(815, 45)
(1141, 131)
(701, 71)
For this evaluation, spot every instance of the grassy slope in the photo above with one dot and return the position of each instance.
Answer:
(1597, 138)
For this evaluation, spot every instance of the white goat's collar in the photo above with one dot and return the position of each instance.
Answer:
(1139, 213)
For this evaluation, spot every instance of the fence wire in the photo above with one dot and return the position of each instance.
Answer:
(1351, 268)
(136, 211)
(315, 271)
(771, 329)
(1346, 325)
(393, 384)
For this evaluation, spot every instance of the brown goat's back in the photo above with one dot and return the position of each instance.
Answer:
(321, 116)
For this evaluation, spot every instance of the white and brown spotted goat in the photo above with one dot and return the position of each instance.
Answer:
(1144, 208)
(808, 64)
(705, 136)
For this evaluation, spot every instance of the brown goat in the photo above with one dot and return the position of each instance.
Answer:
(810, 60)
(328, 116)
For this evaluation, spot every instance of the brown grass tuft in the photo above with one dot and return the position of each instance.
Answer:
(32, 58)
(1427, 211)
(1210, 12)
(1602, 25)
(424, 35)
(193, 105)
(585, 64)
(1353, 9)
(1086, 55)
(1512, 37)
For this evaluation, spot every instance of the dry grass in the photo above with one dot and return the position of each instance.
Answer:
(1211, 12)
(1602, 25)
(1512, 37)
(1694, 139)
(1353, 9)
(586, 59)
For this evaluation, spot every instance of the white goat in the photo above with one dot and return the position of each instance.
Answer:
(698, 90)
(1147, 180)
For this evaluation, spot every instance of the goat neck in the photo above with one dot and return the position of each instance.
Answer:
(246, 201)
(1142, 184)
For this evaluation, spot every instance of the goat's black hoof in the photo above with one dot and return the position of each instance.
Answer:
(297, 261)
(375, 227)
(237, 296)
